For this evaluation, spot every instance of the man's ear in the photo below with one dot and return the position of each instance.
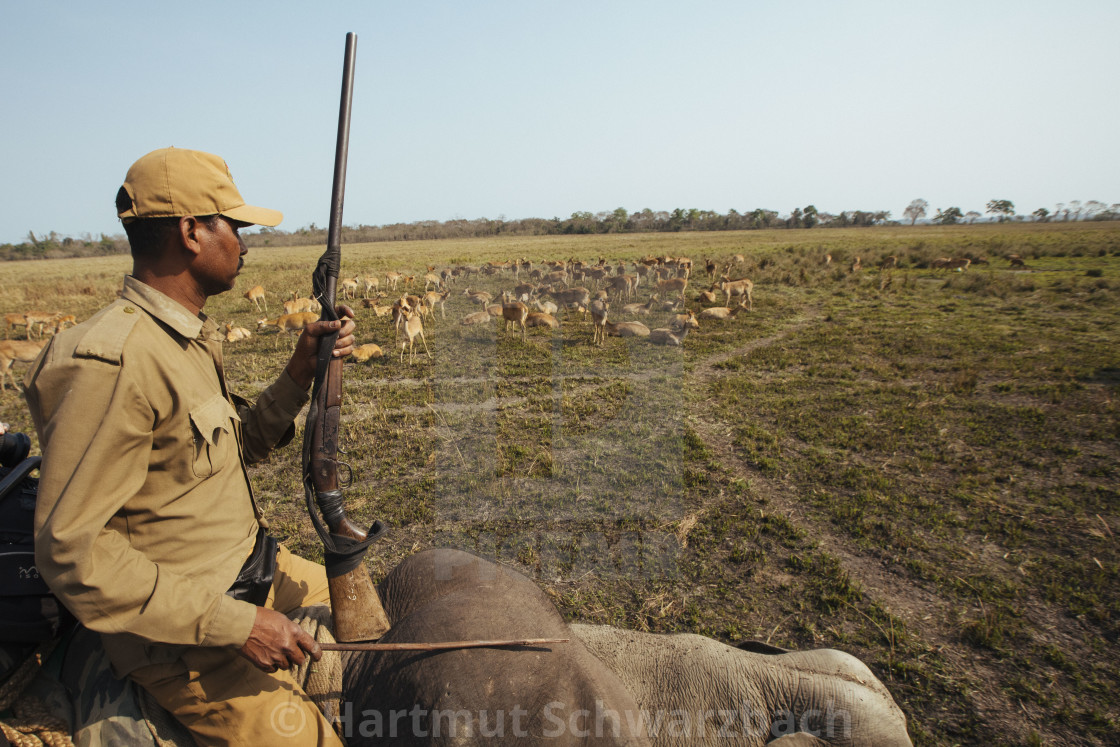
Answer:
(188, 234)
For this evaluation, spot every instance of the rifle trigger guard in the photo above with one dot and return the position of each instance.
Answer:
(344, 481)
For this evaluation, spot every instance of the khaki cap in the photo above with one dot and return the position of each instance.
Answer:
(175, 182)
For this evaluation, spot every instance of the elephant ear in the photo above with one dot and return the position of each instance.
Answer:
(758, 647)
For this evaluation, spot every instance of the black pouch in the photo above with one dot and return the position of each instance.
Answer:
(255, 579)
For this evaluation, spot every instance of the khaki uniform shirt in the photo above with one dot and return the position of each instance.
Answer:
(145, 514)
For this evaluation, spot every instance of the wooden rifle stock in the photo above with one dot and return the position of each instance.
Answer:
(355, 606)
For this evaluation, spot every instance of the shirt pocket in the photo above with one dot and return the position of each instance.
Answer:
(215, 444)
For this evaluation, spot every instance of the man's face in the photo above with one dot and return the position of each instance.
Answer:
(221, 255)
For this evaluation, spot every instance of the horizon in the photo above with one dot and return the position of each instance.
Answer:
(545, 110)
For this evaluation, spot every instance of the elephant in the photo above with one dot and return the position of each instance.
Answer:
(604, 686)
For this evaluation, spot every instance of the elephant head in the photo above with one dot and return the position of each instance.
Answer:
(605, 686)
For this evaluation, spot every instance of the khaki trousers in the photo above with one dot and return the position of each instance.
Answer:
(224, 700)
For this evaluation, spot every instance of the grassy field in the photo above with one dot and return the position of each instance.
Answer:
(915, 466)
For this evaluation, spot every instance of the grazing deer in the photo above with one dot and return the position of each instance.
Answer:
(856, 265)
(721, 312)
(598, 311)
(413, 327)
(36, 320)
(363, 353)
(24, 351)
(626, 329)
(236, 334)
(371, 284)
(256, 295)
(515, 312)
(541, 319)
(431, 279)
(741, 288)
(287, 323)
(391, 279)
(945, 263)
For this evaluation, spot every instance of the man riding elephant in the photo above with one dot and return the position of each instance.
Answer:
(146, 526)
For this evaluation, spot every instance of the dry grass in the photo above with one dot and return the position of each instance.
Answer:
(915, 466)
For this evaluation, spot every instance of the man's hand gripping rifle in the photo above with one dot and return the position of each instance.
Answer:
(355, 606)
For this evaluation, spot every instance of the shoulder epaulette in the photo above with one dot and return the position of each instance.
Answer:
(105, 338)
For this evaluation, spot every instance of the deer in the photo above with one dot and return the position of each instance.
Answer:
(673, 336)
(400, 310)
(413, 327)
(287, 323)
(24, 351)
(545, 307)
(673, 285)
(298, 305)
(515, 312)
(15, 320)
(36, 320)
(433, 298)
(641, 309)
(856, 265)
(742, 287)
(478, 317)
(1016, 261)
(371, 284)
(363, 353)
(431, 279)
(391, 279)
(721, 312)
(571, 298)
(626, 329)
(888, 263)
(480, 297)
(708, 296)
(349, 287)
(598, 311)
(256, 295)
(541, 319)
(236, 334)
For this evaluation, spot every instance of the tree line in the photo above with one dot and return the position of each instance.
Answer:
(620, 220)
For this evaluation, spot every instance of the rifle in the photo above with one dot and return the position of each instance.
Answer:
(355, 605)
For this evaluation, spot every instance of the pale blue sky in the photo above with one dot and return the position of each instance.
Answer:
(539, 108)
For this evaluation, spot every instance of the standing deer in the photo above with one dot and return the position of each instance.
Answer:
(515, 312)
(287, 323)
(413, 327)
(24, 351)
(598, 311)
(741, 288)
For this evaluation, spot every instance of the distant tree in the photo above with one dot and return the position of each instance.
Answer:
(1042, 215)
(1004, 209)
(1075, 207)
(948, 216)
(794, 220)
(916, 210)
(1094, 208)
(811, 216)
(972, 215)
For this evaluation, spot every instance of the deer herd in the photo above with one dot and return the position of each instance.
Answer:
(548, 294)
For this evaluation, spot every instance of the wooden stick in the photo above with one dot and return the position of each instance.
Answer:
(437, 646)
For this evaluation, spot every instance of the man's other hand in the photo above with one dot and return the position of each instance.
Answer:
(302, 365)
(278, 643)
